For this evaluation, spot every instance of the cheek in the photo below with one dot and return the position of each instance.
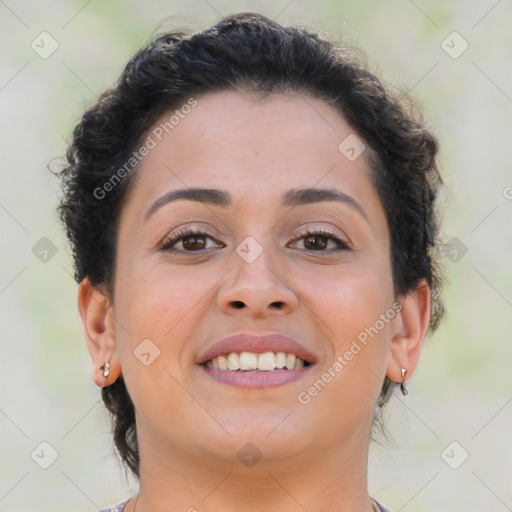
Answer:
(161, 303)
(351, 307)
(350, 298)
(347, 306)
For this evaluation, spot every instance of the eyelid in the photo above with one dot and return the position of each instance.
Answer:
(327, 230)
(189, 230)
(322, 227)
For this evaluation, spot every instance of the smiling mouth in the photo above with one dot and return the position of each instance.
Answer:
(252, 362)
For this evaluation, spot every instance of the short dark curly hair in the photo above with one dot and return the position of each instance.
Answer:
(249, 52)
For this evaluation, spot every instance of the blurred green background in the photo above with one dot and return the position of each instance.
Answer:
(461, 391)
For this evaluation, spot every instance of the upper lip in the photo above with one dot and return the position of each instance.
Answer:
(245, 342)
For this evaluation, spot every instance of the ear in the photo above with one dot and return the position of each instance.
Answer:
(100, 331)
(409, 330)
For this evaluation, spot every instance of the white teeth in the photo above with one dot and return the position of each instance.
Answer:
(222, 363)
(290, 361)
(248, 361)
(233, 361)
(264, 362)
(280, 360)
(299, 363)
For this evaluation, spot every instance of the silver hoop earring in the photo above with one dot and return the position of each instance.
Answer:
(106, 372)
(403, 387)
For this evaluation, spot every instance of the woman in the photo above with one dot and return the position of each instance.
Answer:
(253, 229)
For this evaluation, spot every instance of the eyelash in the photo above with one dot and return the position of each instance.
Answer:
(171, 240)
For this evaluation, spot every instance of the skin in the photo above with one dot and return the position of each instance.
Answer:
(190, 428)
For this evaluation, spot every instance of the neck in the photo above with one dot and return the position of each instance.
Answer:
(334, 480)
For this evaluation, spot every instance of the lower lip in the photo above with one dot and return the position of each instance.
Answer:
(256, 380)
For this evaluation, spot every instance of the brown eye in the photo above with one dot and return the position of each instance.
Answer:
(191, 241)
(319, 240)
(316, 242)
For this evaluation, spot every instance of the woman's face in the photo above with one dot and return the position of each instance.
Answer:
(258, 272)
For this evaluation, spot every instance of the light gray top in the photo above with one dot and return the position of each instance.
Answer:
(116, 508)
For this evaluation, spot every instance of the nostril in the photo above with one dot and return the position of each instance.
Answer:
(238, 304)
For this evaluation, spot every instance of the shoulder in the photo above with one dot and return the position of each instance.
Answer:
(116, 508)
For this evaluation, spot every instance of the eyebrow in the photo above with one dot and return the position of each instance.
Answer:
(292, 198)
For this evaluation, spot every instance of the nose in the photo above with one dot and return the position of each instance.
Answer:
(257, 287)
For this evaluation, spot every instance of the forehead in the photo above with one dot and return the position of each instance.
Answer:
(256, 148)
